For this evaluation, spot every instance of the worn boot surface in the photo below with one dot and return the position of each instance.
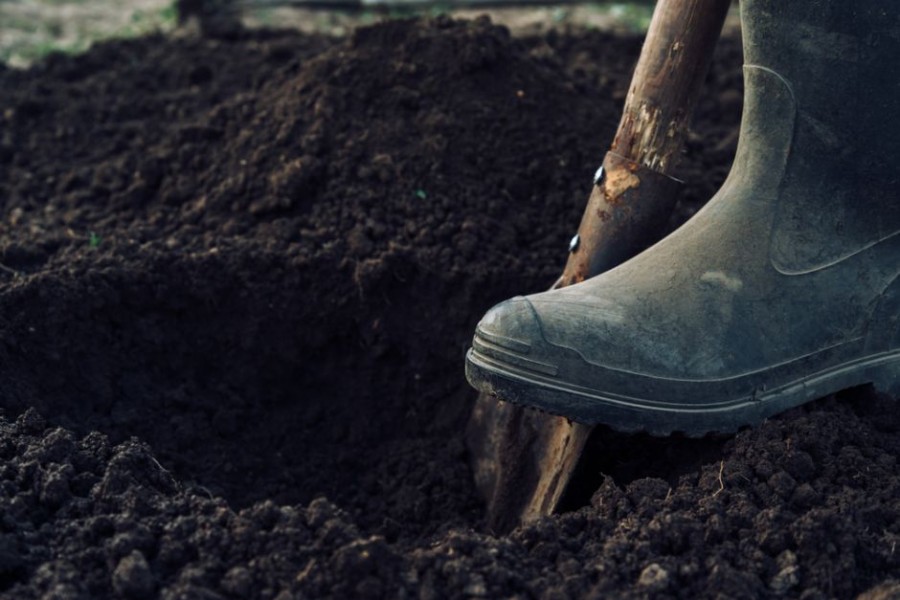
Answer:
(784, 288)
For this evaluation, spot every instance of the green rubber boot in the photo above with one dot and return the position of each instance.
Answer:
(782, 289)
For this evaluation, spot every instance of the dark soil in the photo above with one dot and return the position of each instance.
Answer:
(238, 279)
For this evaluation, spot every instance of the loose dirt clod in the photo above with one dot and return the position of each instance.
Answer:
(292, 435)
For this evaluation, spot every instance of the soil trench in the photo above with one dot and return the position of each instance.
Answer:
(238, 276)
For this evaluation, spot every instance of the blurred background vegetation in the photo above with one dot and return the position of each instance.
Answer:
(30, 29)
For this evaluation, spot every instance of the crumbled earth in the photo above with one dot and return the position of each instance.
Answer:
(237, 278)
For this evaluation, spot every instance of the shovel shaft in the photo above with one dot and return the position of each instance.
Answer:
(634, 194)
(667, 81)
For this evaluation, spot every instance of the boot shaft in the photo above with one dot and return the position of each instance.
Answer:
(840, 60)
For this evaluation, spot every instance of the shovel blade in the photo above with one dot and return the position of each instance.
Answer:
(523, 460)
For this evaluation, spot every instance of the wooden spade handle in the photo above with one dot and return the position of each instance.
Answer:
(667, 81)
(633, 198)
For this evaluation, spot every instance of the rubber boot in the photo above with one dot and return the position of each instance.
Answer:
(782, 289)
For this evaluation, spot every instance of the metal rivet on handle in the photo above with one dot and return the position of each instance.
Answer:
(574, 242)
(598, 176)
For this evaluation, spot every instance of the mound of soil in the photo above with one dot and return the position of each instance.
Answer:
(237, 280)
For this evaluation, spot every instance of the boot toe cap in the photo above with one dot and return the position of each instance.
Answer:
(512, 324)
(509, 334)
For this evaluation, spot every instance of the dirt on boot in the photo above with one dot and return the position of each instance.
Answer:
(238, 280)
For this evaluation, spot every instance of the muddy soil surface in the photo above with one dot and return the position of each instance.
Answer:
(238, 279)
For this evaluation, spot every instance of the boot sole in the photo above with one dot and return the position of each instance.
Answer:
(630, 414)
